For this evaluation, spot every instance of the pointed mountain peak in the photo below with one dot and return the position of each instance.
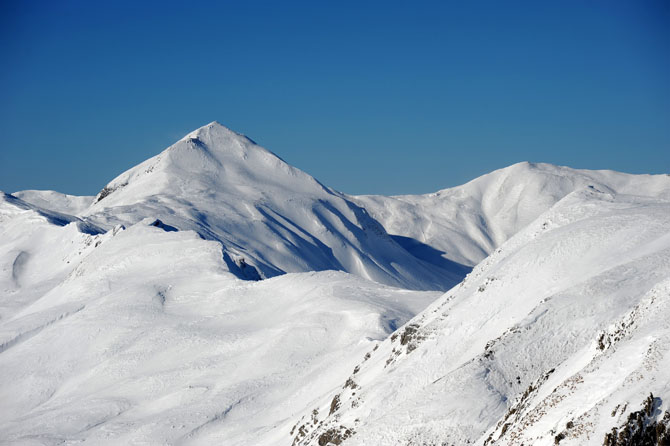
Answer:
(217, 131)
(212, 158)
(214, 126)
(223, 144)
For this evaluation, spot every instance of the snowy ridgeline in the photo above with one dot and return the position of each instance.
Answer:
(138, 316)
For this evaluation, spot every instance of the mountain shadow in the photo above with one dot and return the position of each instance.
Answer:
(431, 255)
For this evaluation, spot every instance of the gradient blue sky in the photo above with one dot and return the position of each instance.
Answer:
(369, 97)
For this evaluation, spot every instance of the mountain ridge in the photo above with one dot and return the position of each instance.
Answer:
(214, 171)
(269, 216)
(470, 221)
(124, 318)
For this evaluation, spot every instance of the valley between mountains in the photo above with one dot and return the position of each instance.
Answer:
(214, 294)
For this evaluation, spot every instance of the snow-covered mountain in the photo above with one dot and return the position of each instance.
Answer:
(129, 317)
(558, 336)
(271, 218)
(145, 337)
(468, 222)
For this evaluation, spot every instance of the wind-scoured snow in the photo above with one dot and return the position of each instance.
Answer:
(214, 294)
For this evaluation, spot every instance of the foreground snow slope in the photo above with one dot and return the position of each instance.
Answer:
(142, 336)
(564, 330)
(466, 223)
(271, 218)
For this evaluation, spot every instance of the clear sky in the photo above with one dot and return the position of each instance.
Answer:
(369, 97)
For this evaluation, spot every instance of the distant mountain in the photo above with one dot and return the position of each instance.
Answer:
(467, 223)
(271, 218)
(55, 201)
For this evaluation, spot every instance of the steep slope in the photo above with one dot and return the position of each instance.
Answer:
(561, 332)
(270, 217)
(146, 338)
(466, 223)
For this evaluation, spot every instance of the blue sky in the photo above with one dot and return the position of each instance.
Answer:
(369, 97)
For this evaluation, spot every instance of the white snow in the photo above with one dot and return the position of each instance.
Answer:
(536, 306)
(274, 216)
(129, 317)
(149, 339)
(55, 201)
(466, 223)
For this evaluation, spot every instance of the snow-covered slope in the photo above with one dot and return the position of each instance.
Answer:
(38, 248)
(142, 336)
(466, 223)
(55, 201)
(564, 331)
(270, 217)
(124, 319)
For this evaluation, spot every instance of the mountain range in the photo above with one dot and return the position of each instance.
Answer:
(216, 294)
